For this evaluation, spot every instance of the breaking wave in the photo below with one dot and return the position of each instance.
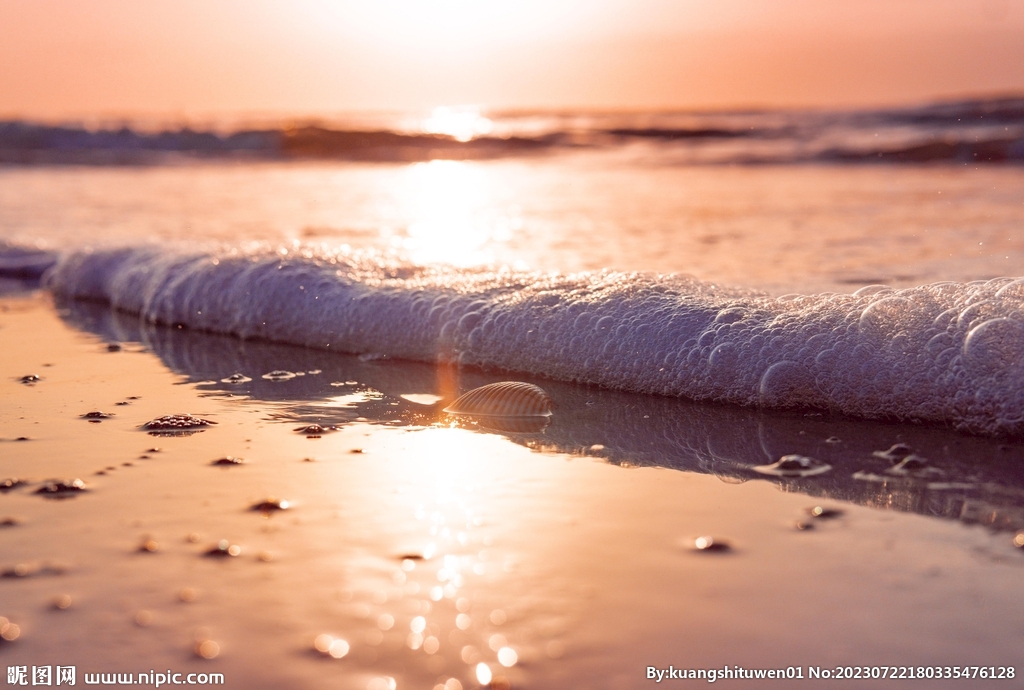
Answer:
(947, 353)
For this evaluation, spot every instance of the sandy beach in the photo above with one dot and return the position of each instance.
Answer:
(431, 545)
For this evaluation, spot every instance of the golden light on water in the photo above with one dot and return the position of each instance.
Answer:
(454, 215)
(462, 122)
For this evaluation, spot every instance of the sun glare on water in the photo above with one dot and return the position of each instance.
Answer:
(461, 122)
(454, 218)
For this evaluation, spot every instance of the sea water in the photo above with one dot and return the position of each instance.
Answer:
(864, 263)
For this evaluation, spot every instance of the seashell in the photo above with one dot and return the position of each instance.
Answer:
(504, 399)
(794, 466)
(513, 425)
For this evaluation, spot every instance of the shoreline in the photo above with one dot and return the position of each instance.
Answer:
(587, 552)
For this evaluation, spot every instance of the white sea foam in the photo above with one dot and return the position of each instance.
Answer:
(946, 352)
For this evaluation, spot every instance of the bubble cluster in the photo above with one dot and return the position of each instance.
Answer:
(951, 353)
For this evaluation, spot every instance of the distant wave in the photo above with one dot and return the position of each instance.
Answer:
(969, 131)
(946, 353)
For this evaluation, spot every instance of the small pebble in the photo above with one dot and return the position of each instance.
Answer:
(9, 522)
(176, 423)
(113, 347)
(187, 595)
(223, 549)
(96, 415)
(228, 460)
(20, 570)
(804, 526)
(143, 618)
(710, 545)
(12, 483)
(207, 649)
(315, 430)
(278, 375)
(1018, 540)
(236, 378)
(30, 379)
(270, 505)
(61, 489)
(9, 632)
(62, 602)
(149, 546)
(822, 513)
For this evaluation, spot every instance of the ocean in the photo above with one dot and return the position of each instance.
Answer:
(860, 262)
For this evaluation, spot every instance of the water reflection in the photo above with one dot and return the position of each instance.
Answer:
(453, 215)
(975, 480)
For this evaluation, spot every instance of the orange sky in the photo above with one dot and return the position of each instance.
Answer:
(194, 58)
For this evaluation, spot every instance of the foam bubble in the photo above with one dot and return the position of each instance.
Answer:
(951, 353)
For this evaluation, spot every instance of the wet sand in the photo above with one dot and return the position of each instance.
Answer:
(429, 544)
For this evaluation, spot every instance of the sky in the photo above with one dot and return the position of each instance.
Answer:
(198, 58)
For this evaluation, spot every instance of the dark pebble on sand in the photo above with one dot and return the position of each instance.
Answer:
(710, 545)
(172, 424)
(11, 483)
(270, 505)
(9, 522)
(61, 489)
(223, 549)
(9, 632)
(228, 461)
(96, 416)
(822, 513)
(29, 379)
(20, 570)
(113, 347)
(315, 430)
(279, 375)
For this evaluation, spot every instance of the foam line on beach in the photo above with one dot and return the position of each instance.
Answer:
(950, 353)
